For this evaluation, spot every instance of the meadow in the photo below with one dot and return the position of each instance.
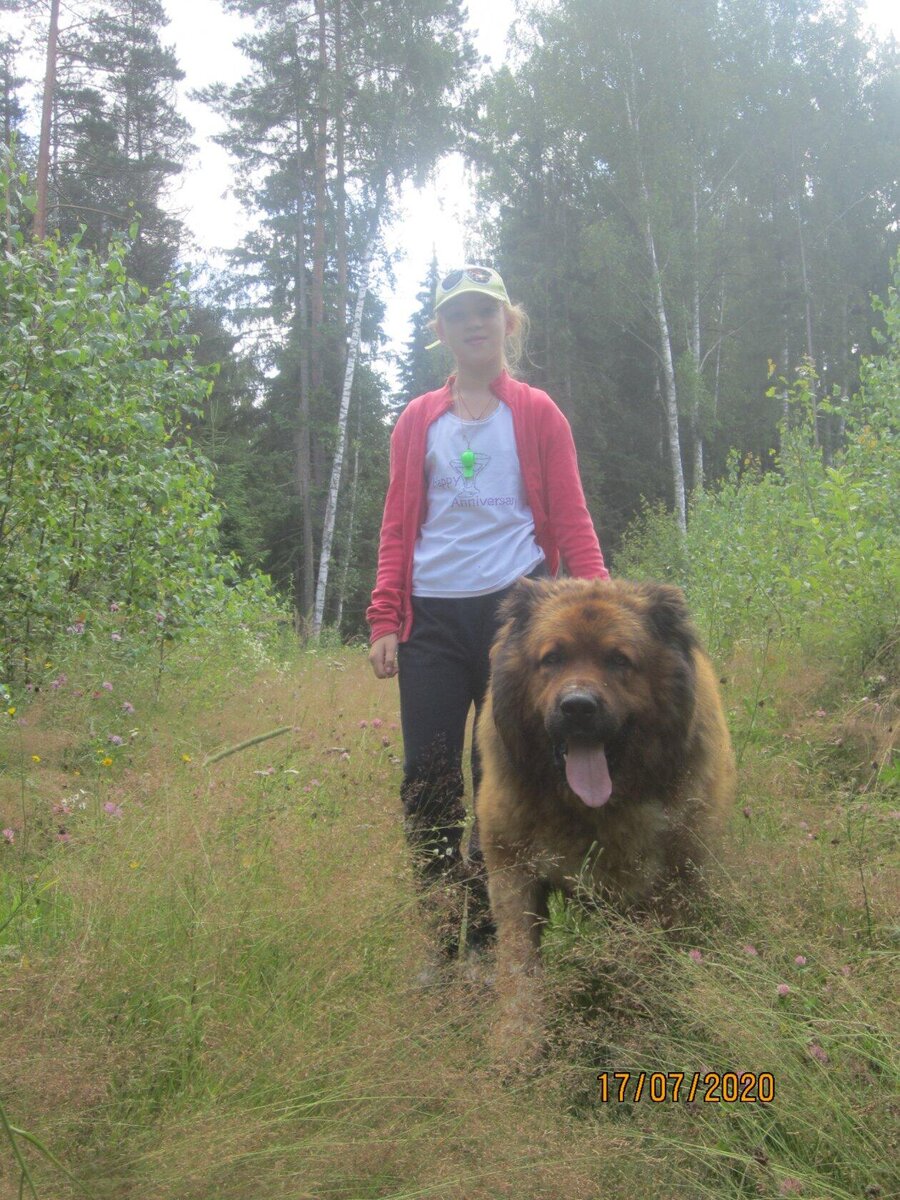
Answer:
(208, 962)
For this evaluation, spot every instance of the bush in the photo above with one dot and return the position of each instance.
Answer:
(810, 550)
(103, 498)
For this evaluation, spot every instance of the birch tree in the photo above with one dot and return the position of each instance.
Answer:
(342, 104)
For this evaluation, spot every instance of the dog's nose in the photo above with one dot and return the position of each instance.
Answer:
(579, 704)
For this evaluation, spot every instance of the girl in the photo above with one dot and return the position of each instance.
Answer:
(484, 488)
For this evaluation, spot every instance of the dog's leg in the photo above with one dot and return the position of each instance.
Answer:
(519, 905)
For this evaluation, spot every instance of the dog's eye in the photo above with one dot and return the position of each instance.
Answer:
(552, 658)
(618, 661)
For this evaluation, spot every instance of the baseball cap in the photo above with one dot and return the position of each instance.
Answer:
(470, 279)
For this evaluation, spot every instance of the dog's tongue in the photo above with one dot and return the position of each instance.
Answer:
(588, 773)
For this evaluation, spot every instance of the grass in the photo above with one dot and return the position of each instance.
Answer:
(206, 975)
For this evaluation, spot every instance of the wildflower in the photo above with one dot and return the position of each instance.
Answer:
(819, 1054)
(127, 707)
(267, 771)
(106, 762)
(35, 758)
(751, 951)
(134, 864)
(116, 637)
(364, 724)
(107, 686)
(790, 1187)
(845, 971)
(160, 618)
(377, 723)
(696, 955)
(115, 740)
(12, 711)
(783, 990)
(185, 758)
(820, 713)
(113, 607)
(63, 836)
(112, 810)
(800, 960)
(747, 811)
(9, 836)
(77, 628)
(60, 681)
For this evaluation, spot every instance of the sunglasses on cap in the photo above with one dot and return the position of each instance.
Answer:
(470, 279)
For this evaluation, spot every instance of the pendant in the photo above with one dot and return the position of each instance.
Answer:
(467, 462)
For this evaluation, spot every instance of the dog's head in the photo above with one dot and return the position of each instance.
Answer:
(597, 679)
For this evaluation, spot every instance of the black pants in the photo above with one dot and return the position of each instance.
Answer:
(443, 670)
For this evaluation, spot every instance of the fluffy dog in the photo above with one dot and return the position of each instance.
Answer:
(605, 754)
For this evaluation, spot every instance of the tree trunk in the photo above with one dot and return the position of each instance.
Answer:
(340, 190)
(320, 186)
(43, 163)
(305, 571)
(337, 467)
(351, 525)
(696, 429)
(670, 395)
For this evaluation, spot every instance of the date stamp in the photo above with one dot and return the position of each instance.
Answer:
(673, 1087)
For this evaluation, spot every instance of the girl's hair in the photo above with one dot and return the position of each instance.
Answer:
(516, 345)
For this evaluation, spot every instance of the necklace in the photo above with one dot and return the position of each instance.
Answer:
(466, 412)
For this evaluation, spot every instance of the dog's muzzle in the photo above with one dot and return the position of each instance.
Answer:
(580, 727)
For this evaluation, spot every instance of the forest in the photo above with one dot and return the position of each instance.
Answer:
(692, 200)
(210, 941)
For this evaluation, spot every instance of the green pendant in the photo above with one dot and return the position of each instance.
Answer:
(467, 462)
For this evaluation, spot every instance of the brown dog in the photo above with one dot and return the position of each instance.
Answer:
(605, 754)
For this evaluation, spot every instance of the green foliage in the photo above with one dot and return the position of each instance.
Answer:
(811, 549)
(103, 498)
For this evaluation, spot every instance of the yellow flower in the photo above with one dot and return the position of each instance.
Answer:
(134, 864)
(106, 762)
(185, 758)
(11, 711)
(35, 758)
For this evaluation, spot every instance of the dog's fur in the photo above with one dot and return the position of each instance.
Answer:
(596, 685)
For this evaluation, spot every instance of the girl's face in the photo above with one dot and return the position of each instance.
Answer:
(474, 328)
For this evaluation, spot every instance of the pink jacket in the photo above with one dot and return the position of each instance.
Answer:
(562, 523)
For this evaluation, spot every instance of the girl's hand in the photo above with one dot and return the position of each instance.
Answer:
(383, 656)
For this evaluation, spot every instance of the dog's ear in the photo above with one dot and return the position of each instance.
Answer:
(509, 674)
(518, 605)
(669, 618)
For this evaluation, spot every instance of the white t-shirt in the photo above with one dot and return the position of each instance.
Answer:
(478, 533)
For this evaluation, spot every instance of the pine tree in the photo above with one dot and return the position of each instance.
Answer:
(119, 140)
(422, 370)
(12, 112)
(342, 103)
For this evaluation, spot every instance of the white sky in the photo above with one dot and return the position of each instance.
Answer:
(434, 217)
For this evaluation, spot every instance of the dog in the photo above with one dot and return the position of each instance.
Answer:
(606, 758)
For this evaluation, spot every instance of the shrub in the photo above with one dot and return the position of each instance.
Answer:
(103, 498)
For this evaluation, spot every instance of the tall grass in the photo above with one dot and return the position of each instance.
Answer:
(214, 996)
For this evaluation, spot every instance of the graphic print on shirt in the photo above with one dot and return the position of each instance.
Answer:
(466, 471)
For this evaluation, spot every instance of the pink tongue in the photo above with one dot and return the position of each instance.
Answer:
(588, 773)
